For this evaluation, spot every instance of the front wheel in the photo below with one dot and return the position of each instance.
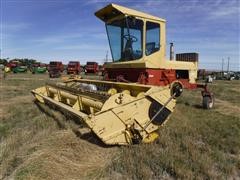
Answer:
(208, 102)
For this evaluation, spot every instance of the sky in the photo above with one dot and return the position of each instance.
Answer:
(68, 29)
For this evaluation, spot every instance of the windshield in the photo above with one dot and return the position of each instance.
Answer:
(91, 63)
(71, 66)
(125, 39)
(72, 63)
(53, 63)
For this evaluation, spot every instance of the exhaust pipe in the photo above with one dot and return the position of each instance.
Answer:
(171, 52)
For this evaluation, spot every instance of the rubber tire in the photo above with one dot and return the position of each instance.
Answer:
(207, 102)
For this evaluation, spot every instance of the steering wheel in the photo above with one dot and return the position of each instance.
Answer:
(130, 37)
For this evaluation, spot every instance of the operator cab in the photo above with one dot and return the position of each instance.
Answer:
(132, 35)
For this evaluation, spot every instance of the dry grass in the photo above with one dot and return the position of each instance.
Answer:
(39, 143)
(226, 108)
(62, 155)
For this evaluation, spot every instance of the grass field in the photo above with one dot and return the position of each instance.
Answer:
(194, 143)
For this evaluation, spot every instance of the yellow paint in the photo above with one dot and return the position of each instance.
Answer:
(7, 69)
(151, 137)
(116, 119)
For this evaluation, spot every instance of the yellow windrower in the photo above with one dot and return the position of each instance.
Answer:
(118, 113)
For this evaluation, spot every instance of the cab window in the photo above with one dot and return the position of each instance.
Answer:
(152, 37)
(125, 39)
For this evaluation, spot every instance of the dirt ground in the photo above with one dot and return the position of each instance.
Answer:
(39, 143)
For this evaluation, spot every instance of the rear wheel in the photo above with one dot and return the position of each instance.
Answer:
(208, 102)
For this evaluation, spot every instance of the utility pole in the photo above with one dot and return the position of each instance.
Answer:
(228, 64)
(107, 56)
(222, 67)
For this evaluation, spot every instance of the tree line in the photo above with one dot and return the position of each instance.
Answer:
(23, 61)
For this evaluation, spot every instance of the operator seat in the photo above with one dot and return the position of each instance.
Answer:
(128, 50)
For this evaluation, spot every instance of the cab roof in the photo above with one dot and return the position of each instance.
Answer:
(113, 10)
